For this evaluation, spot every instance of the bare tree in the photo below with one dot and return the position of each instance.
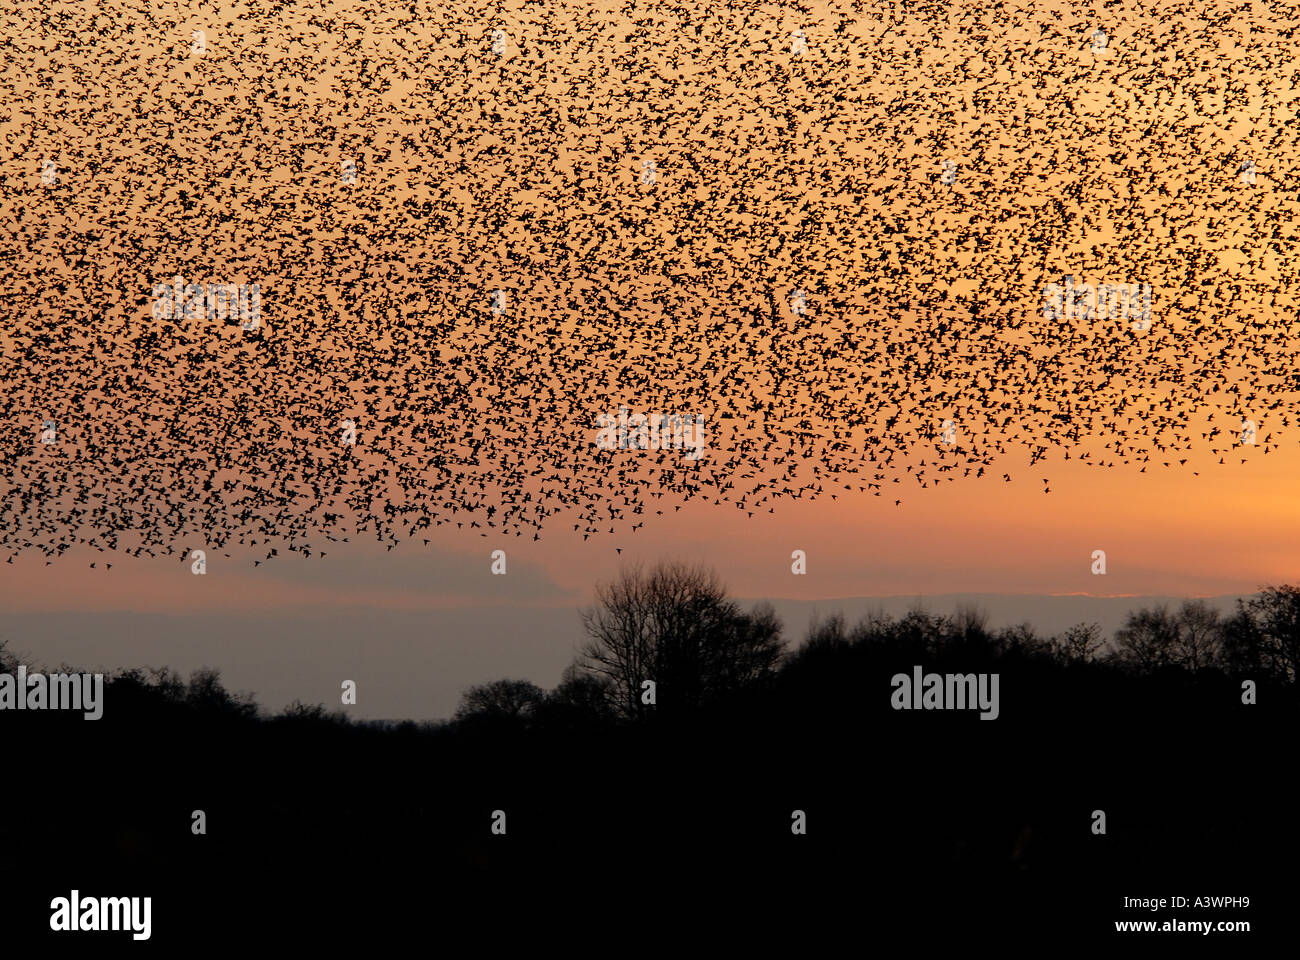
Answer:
(580, 701)
(1079, 644)
(674, 626)
(1148, 638)
(207, 693)
(970, 619)
(1192, 638)
(1263, 636)
(825, 638)
(1200, 635)
(500, 700)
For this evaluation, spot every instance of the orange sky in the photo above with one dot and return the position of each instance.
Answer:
(119, 99)
(1165, 531)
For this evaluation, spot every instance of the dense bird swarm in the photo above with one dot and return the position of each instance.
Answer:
(825, 254)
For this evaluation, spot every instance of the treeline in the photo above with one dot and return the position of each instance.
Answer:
(668, 765)
(674, 627)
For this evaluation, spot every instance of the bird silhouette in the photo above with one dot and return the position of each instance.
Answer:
(474, 234)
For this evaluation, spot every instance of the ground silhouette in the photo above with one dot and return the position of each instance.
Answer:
(915, 819)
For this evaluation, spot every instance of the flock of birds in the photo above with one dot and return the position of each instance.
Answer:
(824, 228)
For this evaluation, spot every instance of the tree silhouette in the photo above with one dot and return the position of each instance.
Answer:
(1200, 635)
(578, 782)
(207, 694)
(675, 626)
(1079, 644)
(501, 701)
(1153, 637)
(581, 701)
(1263, 636)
